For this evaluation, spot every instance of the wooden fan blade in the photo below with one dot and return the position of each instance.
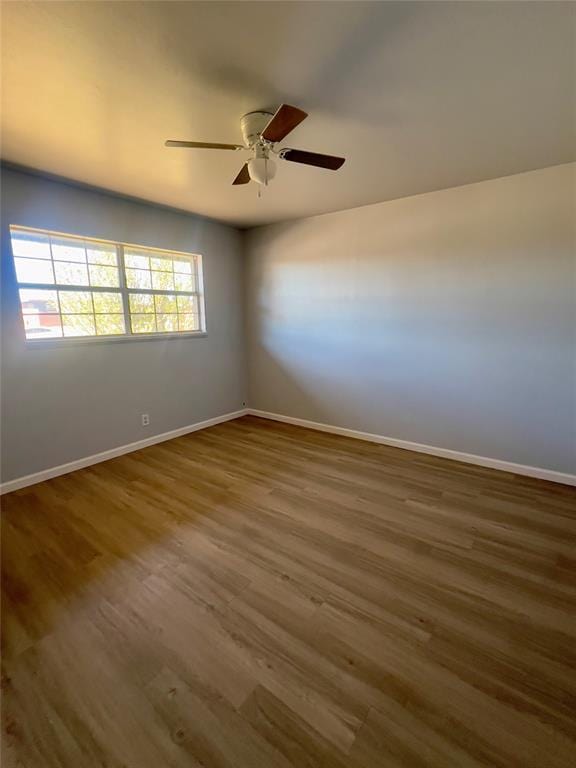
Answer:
(284, 121)
(243, 177)
(202, 145)
(312, 158)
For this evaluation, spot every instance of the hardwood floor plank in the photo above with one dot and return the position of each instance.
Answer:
(257, 594)
(289, 733)
(395, 738)
(207, 727)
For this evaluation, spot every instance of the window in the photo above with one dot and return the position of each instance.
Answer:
(74, 287)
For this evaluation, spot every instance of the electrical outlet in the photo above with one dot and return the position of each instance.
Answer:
(145, 420)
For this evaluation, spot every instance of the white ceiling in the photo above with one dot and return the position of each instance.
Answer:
(417, 96)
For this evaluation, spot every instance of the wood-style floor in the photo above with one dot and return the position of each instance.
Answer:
(258, 595)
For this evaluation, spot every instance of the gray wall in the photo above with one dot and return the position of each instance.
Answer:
(61, 404)
(446, 319)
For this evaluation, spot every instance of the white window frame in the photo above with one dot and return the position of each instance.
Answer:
(122, 289)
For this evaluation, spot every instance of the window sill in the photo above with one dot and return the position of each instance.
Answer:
(82, 340)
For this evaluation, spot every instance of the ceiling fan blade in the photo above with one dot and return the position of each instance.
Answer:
(243, 177)
(284, 121)
(312, 158)
(202, 145)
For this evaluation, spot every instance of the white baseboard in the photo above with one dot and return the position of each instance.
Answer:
(96, 458)
(445, 453)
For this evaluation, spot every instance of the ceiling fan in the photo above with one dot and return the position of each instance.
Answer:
(261, 132)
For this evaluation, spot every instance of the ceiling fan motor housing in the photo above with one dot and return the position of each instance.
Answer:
(252, 126)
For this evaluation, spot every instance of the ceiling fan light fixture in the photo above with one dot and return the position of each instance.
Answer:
(261, 132)
(261, 169)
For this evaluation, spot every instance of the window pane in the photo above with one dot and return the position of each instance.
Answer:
(68, 250)
(166, 303)
(143, 323)
(135, 260)
(42, 326)
(29, 245)
(183, 265)
(78, 325)
(188, 323)
(163, 281)
(141, 302)
(33, 271)
(75, 302)
(162, 264)
(183, 282)
(105, 277)
(107, 303)
(167, 322)
(101, 254)
(138, 278)
(109, 325)
(186, 304)
(70, 274)
(35, 301)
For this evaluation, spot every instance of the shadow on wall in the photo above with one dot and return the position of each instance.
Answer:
(334, 334)
(282, 378)
(444, 319)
